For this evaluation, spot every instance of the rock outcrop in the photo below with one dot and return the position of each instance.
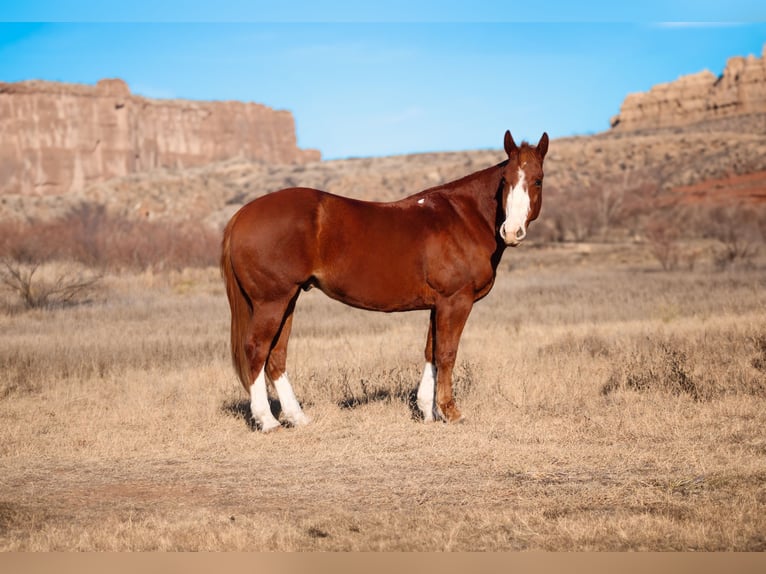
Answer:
(57, 138)
(740, 90)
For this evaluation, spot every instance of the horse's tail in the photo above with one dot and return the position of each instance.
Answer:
(241, 308)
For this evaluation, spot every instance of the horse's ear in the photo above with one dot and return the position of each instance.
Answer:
(542, 145)
(510, 145)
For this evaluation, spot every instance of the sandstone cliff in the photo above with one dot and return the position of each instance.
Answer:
(740, 90)
(57, 138)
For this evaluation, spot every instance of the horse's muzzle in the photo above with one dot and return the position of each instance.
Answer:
(513, 239)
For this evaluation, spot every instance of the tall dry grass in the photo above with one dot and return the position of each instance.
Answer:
(610, 406)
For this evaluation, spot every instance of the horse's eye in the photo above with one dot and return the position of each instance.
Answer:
(538, 182)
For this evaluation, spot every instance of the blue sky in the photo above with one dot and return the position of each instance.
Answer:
(366, 80)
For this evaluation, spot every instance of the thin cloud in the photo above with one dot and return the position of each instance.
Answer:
(686, 25)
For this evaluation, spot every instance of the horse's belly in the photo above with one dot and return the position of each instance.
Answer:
(377, 286)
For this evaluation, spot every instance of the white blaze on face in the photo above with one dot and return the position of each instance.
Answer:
(514, 229)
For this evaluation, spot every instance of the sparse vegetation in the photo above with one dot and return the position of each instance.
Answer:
(608, 409)
(735, 227)
(663, 239)
(60, 286)
(656, 365)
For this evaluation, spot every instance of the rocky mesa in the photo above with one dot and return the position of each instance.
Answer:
(171, 160)
(56, 138)
(740, 90)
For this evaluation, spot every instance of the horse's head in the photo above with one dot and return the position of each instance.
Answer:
(522, 193)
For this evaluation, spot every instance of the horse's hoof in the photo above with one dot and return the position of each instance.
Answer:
(429, 416)
(271, 428)
(451, 414)
(454, 417)
(300, 421)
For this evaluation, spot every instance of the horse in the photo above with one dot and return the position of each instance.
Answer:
(436, 250)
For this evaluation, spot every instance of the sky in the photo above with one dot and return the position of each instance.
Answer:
(384, 78)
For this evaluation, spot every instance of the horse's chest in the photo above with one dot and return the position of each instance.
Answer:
(457, 264)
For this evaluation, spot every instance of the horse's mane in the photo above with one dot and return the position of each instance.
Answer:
(466, 179)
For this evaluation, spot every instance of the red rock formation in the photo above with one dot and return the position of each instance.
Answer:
(740, 90)
(56, 138)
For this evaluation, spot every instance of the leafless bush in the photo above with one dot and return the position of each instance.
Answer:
(551, 226)
(582, 218)
(658, 365)
(601, 209)
(609, 199)
(92, 236)
(59, 287)
(590, 345)
(18, 373)
(736, 229)
(662, 238)
(731, 363)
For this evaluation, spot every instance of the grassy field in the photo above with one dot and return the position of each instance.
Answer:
(610, 406)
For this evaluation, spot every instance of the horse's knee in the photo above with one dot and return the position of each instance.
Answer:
(445, 358)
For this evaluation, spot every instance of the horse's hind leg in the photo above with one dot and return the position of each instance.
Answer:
(276, 372)
(266, 323)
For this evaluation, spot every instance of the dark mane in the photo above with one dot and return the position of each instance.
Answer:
(464, 180)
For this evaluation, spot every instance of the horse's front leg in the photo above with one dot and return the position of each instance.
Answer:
(427, 387)
(450, 317)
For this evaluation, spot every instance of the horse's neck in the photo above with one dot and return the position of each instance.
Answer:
(482, 187)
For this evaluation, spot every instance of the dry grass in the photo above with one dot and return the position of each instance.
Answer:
(610, 407)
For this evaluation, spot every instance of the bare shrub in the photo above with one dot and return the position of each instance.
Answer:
(736, 229)
(756, 385)
(60, 287)
(105, 240)
(609, 201)
(581, 221)
(358, 388)
(142, 245)
(591, 345)
(18, 374)
(727, 364)
(465, 377)
(28, 242)
(553, 225)
(603, 209)
(662, 238)
(92, 236)
(655, 366)
(759, 361)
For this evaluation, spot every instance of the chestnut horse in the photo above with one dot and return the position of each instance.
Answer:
(438, 250)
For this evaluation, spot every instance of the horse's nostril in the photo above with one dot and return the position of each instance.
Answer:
(521, 234)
